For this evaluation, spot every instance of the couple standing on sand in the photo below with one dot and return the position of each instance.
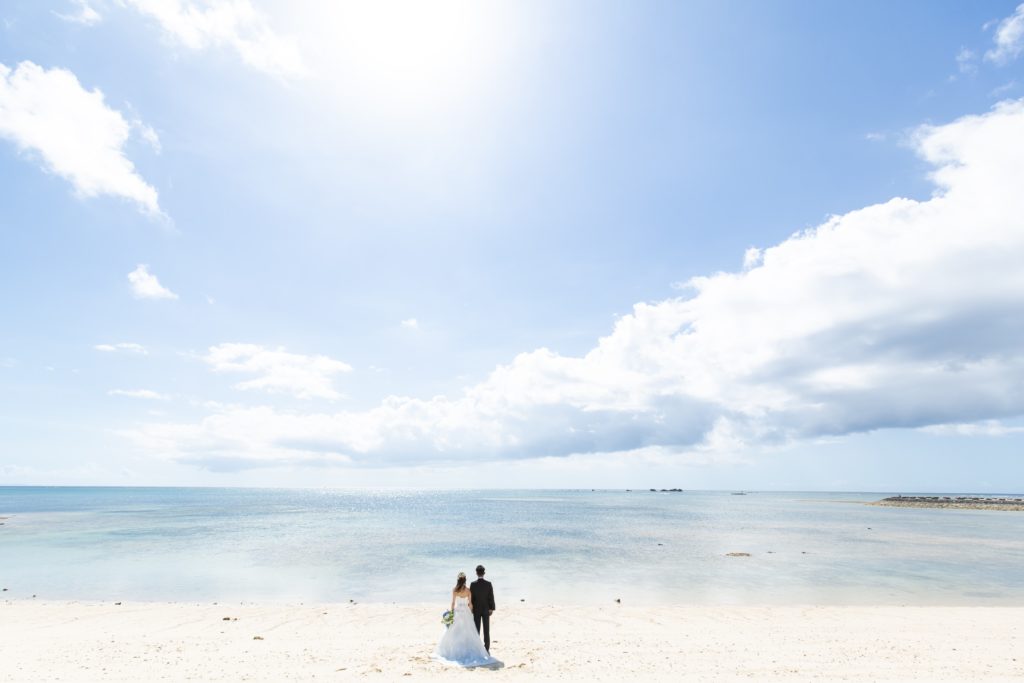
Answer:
(471, 606)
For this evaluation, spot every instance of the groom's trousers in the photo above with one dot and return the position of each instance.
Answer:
(486, 619)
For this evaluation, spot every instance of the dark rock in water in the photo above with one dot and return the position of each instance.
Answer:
(116, 603)
(618, 600)
(257, 637)
(226, 619)
(737, 554)
(654, 490)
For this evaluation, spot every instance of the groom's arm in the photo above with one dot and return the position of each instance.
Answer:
(492, 599)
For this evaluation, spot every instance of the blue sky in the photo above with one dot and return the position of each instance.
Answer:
(455, 244)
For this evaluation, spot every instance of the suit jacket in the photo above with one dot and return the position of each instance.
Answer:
(483, 596)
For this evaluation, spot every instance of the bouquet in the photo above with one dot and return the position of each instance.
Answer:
(447, 618)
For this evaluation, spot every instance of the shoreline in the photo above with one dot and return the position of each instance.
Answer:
(102, 641)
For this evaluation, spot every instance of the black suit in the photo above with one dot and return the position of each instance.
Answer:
(483, 604)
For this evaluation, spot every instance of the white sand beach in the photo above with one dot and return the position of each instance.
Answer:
(83, 641)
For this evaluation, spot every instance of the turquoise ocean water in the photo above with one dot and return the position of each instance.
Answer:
(586, 547)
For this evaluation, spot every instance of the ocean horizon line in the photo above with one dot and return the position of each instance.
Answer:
(584, 489)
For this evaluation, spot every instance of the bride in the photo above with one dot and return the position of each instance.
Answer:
(460, 643)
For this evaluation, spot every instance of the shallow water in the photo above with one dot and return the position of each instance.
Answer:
(206, 544)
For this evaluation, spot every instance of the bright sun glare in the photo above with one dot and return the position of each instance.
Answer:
(403, 52)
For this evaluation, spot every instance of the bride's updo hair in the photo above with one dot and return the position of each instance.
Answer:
(461, 583)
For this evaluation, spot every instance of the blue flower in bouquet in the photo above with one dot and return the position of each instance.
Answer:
(447, 618)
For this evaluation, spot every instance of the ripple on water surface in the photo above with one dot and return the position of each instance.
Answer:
(541, 546)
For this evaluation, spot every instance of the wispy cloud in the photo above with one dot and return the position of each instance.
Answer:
(145, 285)
(232, 24)
(278, 371)
(410, 324)
(82, 13)
(47, 113)
(1003, 89)
(148, 135)
(1009, 38)
(122, 346)
(139, 393)
(967, 61)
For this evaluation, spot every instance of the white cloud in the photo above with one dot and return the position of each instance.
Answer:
(46, 112)
(233, 24)
(967, 62)
(411, 324)
(1001, 90)
(983, 428)
(145, 285)
(277, 370)
(83, 14)
(148, 135)
(903, 314)
(122, 346)
(1009, 38)
(139, 393)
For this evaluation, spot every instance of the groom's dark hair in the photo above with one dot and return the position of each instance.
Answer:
(479, 570)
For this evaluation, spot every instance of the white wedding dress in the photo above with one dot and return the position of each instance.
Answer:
(460, 643)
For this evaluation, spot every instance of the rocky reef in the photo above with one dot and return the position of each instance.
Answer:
(958, 502)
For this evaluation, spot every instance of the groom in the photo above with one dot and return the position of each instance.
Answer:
(483, 604)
